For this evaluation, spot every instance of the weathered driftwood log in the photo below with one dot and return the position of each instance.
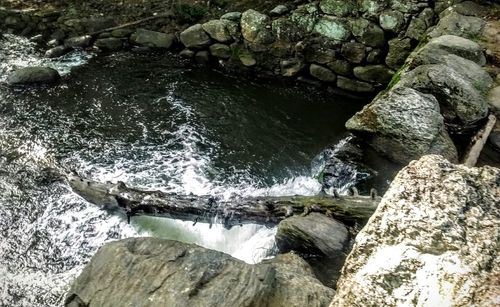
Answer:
(477, 143)
(266, 210)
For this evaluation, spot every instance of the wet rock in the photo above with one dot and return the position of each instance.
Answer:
(404, 124)
(447, 44)
(460, 102)
(30, 75)
(322, 73)
(393, 21)
(374, 73)
(314, 233)
(333, 28)
(340, 8)
(419, 24)
(202, 57)
(279, 10)
(399, 50)
(217, 29)
(353, 52)
(247, 59)
(109, 44)
(187, 54)
(340, 67)
(57, 51)
(291, 67)
(459, 25)
(305, 17)
(256, 27)
(121, 33)
(195, 37)
(220, 51)
(152, 39)
(354, 85)
(436, 228)
(232, 16)
(368, 32)
(78, 41)
(170, 273)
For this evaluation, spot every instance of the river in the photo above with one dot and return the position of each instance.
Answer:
(152, 121)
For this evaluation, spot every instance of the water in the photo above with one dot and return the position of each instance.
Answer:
(153, 122)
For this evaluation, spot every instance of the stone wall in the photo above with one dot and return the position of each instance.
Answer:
(354, 45)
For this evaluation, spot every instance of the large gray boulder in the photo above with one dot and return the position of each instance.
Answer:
(157, 272)
(31, 75)
(403, 124)
(447, 44)
(433, 241)
(314, 233)
(195, 37)
(461, 102)
(256, 27)
(399, 50)
(152, 38)
(333, 28)
(367, 32)
(340, 8)
(459, 25)
(218, 30)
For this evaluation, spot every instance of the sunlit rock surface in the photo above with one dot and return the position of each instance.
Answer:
(433, 241)
(157, 272)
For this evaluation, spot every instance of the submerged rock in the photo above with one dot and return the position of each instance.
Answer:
(314, 233)
(404, 124)
(30, 75)
(154, 272)
(57, 51)
(433, 241)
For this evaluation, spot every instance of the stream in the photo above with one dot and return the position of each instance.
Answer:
(152, 121)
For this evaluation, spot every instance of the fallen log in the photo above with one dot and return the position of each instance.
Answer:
(478, 141)
(265, 210)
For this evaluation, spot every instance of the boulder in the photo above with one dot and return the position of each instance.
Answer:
(367, 32)
(232, 16)
(195, 37)
(399, 50)
(419, 24)
(291, 67)
(354, 52)
(461, 103)
(354, 85)
(187, 53)
(256, 27)
(109, 44)
(279, 10)
(447, 44)
(333, 28)
(320, 55)
(152, 39)
(468, 8)
(78, 41)
(403, 124)
(322, 73)
(459, 25)
(30, 75)
(314, 234)
(433, 241)
(220, 51)
(374, 73)
(121, 33)
(158, 272)
(340, 67)
(339, 8)
(393, 21)
(372, 8)
(217, 29)
(375, 56)
(57, 51)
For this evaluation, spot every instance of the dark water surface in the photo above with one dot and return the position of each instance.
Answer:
(154, 122)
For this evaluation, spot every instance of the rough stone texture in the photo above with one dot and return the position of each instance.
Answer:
(217, 29)
(332, 28)
(404, 124)
(157, 272)
(78, 41)
(279, 10)
(320, 55)
(255, 27)
(433, 241)
(459, 25)
(220, 51)
(456, 45)
(195, 37)
(152, 39)
(202, 57)
(30, 75)
(468, 8)
(354, 52)
(340, 8)
(375, 56)
(399, 50)
(291, 67)
(373, 73)
(419, 24)
(233, 16)
(322, 73)
(354, 85)
(393, 21)
(57, 51)
(340, 67)
(367, 32)
(314, 233)
(460, 101)
(109, 44)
